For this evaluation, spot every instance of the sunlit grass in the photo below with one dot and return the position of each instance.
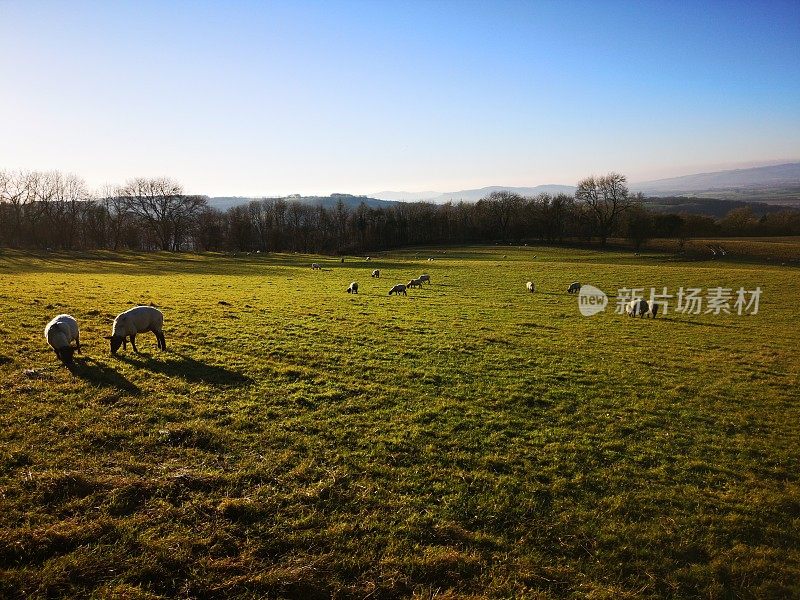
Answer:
(471, 438)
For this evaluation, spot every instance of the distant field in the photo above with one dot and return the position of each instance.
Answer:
(469, 440)
(761, 249)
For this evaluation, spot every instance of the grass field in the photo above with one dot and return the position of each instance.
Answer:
(784, 251)
(469, 440)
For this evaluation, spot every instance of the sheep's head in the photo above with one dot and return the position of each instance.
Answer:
(116, 342)
(66, 355)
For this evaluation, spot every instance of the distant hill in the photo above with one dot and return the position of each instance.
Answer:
(477, 194)
(406, 196)
(713, 193)
(712, 207)
(223, 203)
(776, 184)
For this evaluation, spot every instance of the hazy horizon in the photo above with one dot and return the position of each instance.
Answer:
(257, 99)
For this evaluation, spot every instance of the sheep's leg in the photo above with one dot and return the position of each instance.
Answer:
(162, 343)
(133, 343)
(78, 344)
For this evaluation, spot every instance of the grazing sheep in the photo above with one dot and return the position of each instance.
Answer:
(342, 261)
(376, 273)
(414, 283)
(137, 320)
(368, 259)
(59, 333)
(637, 307)
(398, 289)
(574, 287)
(315, 266)
(653, 310)
(353, 289)
(424, 278)
(530, 286)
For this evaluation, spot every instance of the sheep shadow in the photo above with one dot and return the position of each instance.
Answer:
(188, 368)
(697, 323)
(101, 375)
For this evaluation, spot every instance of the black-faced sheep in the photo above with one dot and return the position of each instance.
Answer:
(353, 289)
(414, 283)
(424, 277)
(398, 289)
(137, 320)
(376, 273)
(530, 286)
(60, 333)
(316, 266)
(574, 287)
(637, 307)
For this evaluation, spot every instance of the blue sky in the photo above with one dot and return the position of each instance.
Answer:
(257, 98)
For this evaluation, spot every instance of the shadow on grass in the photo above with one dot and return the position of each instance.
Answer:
(697, 323)
(179, 365)
(101, 375)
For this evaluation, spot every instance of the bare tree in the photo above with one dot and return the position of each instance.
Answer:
(502, 207)
(607, 199)
(160, 204)
(115, 202)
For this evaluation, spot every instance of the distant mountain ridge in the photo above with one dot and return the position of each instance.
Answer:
(406, 196)
(772, 184)
(223, 203)
(772, 176)
(475, 194)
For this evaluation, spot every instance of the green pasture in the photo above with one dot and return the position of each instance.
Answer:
(468, 440)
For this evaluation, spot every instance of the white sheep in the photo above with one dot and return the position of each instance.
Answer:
(637, 307)
(315, 266)
(530, 286)
(353, 289)
(60, 333)
(414, 283)
(398, 289)
(424, 277)
(574, 287)
(137, 320)
(376, 273)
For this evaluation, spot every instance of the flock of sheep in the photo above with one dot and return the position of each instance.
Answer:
(398, 289)
(63, 330)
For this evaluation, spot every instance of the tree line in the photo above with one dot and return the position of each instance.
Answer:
(53, 210)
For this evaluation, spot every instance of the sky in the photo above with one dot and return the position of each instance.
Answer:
(267, 98)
